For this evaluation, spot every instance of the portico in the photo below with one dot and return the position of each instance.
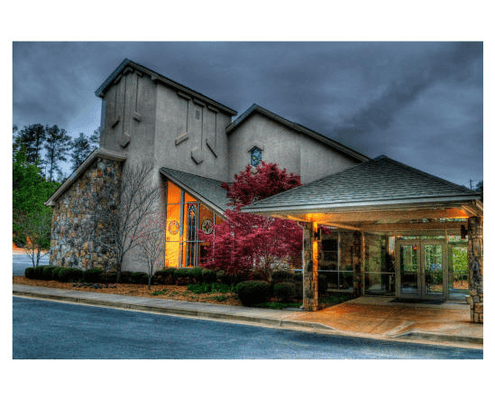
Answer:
(401, 226)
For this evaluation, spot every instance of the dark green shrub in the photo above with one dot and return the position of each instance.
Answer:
(209, 276)
(182, 276)
(70, 275)
(38, 272)
(165, 276)
(125, 277)
(48, 273)
(196, 275)
(140, 278)
(253, 292)
(282, 276)
(108, 277)
(93, 275)
(29, 273)
(56, 273)
(231, 279)
(285, 291)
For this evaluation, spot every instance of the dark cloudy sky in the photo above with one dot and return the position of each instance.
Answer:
(420, 103)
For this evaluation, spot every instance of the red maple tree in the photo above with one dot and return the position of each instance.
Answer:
(253, 244)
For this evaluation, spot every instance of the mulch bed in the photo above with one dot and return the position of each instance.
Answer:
(171, 292)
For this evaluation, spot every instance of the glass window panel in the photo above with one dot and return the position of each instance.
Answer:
(173, 222)
(172, 251)
(433, 268)
(173, 193)
(409, 268)
(379, 283)
(206, 220)
(188, 198)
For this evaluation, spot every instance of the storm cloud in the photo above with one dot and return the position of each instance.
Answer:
(418, 102)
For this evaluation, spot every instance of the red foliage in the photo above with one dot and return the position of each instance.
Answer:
(247, 243)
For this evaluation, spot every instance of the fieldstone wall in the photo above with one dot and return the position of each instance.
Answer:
(73, 222)
(475, 262)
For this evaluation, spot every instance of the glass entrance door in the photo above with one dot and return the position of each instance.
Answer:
(422, 271)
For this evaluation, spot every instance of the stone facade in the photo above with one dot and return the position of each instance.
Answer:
(475, 263)
(73, 223)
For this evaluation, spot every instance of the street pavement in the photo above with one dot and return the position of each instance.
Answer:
(21, 261)
(58, 330)
(371, 318)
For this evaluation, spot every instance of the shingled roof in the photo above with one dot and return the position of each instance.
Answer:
(207, 190)
(378, 182)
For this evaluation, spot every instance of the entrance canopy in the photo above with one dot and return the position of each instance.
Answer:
(378, 205)
(378, 195)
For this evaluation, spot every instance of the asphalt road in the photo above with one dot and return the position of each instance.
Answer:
(22, 261)
(52, 330)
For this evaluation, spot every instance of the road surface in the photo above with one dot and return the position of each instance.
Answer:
(52, 330)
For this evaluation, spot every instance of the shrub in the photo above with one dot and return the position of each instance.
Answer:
(93, 275)
(164, 276)
(282, 276)
(195, 275)
(125, 277)
(48, 273)
(182, 276)
(285, 291)
(231, 279)
(29, 273)
(139, 278)
(208, 276)
(70, 275)
(108, 277)
(252, 292)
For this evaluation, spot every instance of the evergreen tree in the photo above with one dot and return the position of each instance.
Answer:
(81, 149)
(57, 145)
(32, 138)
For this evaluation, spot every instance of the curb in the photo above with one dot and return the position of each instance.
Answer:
(438, 337)
(414, 336)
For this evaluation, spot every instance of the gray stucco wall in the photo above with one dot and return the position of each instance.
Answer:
(190, 135)
(292, 150)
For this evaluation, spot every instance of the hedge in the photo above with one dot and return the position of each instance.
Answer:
(253, 292)
(285, 291)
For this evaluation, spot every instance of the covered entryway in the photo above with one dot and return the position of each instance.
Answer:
(421, 270)
(403, 223)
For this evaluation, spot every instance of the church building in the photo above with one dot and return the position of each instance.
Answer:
(394, 230)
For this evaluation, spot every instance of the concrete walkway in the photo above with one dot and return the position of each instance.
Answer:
(376, 318)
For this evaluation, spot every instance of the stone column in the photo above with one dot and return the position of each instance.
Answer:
(357, 262)
(310, 267)
(475, 263)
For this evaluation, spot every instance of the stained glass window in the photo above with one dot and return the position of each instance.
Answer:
(256, 156)
(185, 217)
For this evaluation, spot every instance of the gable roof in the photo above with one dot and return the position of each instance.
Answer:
(256, 109)
(160, 78)
(207, 190)
(99, 152)
(378, 182)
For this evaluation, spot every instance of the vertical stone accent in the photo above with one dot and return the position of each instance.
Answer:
(310, 267)
(357, 263)
(475, 262)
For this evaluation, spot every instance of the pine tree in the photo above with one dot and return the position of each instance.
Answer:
(57, 145)
(81, 149)
(32, 138)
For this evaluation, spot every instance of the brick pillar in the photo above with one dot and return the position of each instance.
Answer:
(475, 262)
(310, 267)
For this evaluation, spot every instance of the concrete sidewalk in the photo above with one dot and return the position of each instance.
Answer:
(368, 317)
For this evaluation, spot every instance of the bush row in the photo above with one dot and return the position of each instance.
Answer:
(285, 285)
